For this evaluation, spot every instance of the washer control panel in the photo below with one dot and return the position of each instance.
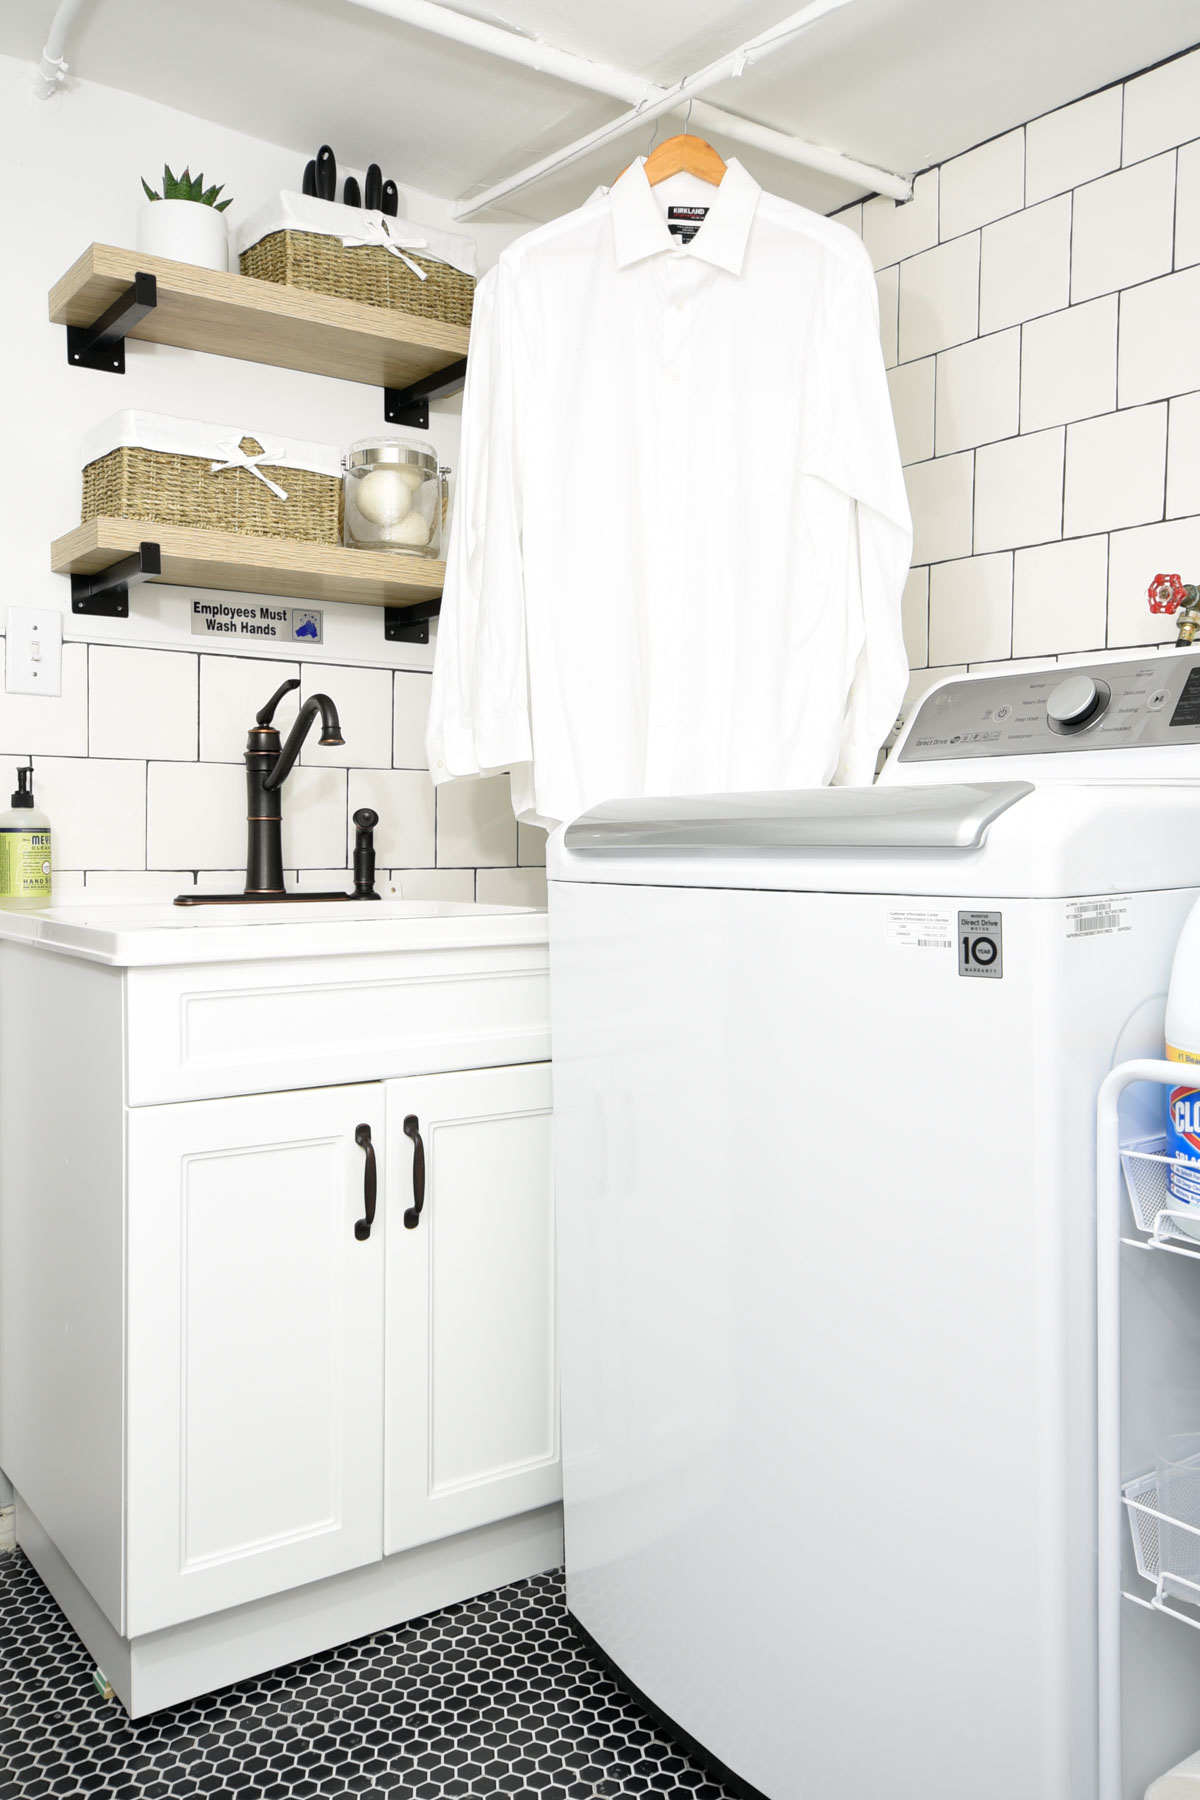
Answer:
(1153, 700)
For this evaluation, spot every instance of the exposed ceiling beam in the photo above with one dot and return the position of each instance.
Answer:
(646, 99)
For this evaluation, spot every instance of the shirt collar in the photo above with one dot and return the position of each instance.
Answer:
(640, 230)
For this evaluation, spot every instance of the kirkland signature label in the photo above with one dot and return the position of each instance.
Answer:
(257, 619)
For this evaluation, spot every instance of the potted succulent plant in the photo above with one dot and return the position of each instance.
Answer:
(184, 222)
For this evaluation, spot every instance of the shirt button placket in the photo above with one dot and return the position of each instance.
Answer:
(677, 325)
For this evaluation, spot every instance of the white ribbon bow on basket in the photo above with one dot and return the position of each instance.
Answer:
(242, 459)
(381, 229)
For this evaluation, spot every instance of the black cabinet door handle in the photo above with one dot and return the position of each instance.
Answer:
(362, 1227)
(412, 1214)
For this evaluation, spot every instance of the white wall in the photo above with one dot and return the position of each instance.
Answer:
(1040, 302)
(138, 762)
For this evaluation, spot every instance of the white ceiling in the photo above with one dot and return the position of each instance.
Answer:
(899, 83)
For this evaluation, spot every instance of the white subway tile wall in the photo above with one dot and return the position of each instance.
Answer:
(139, 764)
(939, 297)
(1161, 108)
(476, 827)
(978, 391)
(1183, 456)
(1025, 265)
(1187, 207)
(970, 609)
(1065, 468)
(1123, 228)
(1063, 149)
(983, 185)
(1160, 346)
(911, 386)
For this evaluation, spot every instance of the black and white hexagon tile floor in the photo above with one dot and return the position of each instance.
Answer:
(491, 1697)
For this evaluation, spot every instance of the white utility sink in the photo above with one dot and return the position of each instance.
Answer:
(143, 935)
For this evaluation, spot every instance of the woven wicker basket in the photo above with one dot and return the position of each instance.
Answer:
(365, 272)
(157, 485)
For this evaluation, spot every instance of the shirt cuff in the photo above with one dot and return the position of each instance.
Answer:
(451, 753)
(499, 743)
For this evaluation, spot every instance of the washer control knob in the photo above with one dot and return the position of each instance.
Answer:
(1075, 702)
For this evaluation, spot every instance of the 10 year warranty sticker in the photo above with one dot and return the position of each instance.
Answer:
(981, 944)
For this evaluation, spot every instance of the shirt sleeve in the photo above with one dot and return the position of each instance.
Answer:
(854, 447)
(450, 738)
(503, 736)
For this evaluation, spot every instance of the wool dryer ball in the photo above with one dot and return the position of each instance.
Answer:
(410, 530)
(383, 496)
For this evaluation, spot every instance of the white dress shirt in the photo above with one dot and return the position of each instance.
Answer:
(681, 534)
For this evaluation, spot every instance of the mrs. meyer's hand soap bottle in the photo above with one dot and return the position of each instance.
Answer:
(24, 850)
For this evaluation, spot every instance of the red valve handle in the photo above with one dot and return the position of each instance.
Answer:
(1167, 594)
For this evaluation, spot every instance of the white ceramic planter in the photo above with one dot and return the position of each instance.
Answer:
(185, 231)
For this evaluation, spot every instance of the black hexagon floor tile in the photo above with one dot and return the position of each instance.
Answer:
(494, 1697)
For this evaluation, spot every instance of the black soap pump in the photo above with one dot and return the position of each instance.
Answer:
(24, 850)
(365, 821)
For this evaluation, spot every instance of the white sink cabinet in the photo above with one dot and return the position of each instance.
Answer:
(242, 1427)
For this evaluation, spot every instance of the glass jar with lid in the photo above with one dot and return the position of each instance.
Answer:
(395, 496)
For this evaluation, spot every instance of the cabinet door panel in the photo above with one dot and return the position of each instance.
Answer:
(255, 1350)
(471, 1403)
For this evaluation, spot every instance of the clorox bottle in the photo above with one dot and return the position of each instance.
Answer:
(1183, 1046)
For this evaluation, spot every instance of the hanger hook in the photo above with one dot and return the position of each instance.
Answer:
(653, 135)
(687, 117)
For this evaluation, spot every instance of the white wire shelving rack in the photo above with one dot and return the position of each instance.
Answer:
(1135, 1172)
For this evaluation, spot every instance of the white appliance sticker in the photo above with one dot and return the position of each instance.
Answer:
(1092, 918)
(918, 930)
(981, 945)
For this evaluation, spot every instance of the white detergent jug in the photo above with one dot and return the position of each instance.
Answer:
(1183, 1103)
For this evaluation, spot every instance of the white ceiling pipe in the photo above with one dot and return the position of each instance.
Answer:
(733, 63)
(799, 150)
(443, 21)
(635, 90)
(50, 71)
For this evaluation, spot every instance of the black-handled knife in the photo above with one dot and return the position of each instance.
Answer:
(309, 185)
(326, 173)
(350, 193)
(391, 199)
(373, 188)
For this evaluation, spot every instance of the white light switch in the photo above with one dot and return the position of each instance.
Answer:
(33, 653)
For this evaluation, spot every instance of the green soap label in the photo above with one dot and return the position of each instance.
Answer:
(24, 864)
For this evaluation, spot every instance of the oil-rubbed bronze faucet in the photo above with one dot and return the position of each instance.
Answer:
(267, 768)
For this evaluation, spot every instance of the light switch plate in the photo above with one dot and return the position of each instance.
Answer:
(33, 652)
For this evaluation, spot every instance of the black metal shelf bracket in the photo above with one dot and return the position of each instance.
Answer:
(410, 405)
(410, 624)
(106, 593)
(102, 345)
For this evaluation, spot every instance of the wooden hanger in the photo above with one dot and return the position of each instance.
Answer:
(683, 155)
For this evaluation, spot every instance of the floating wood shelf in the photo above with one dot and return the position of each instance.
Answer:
(253, 565)
(260, 321)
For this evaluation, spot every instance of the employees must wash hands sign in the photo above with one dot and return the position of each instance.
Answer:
(257, 619)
